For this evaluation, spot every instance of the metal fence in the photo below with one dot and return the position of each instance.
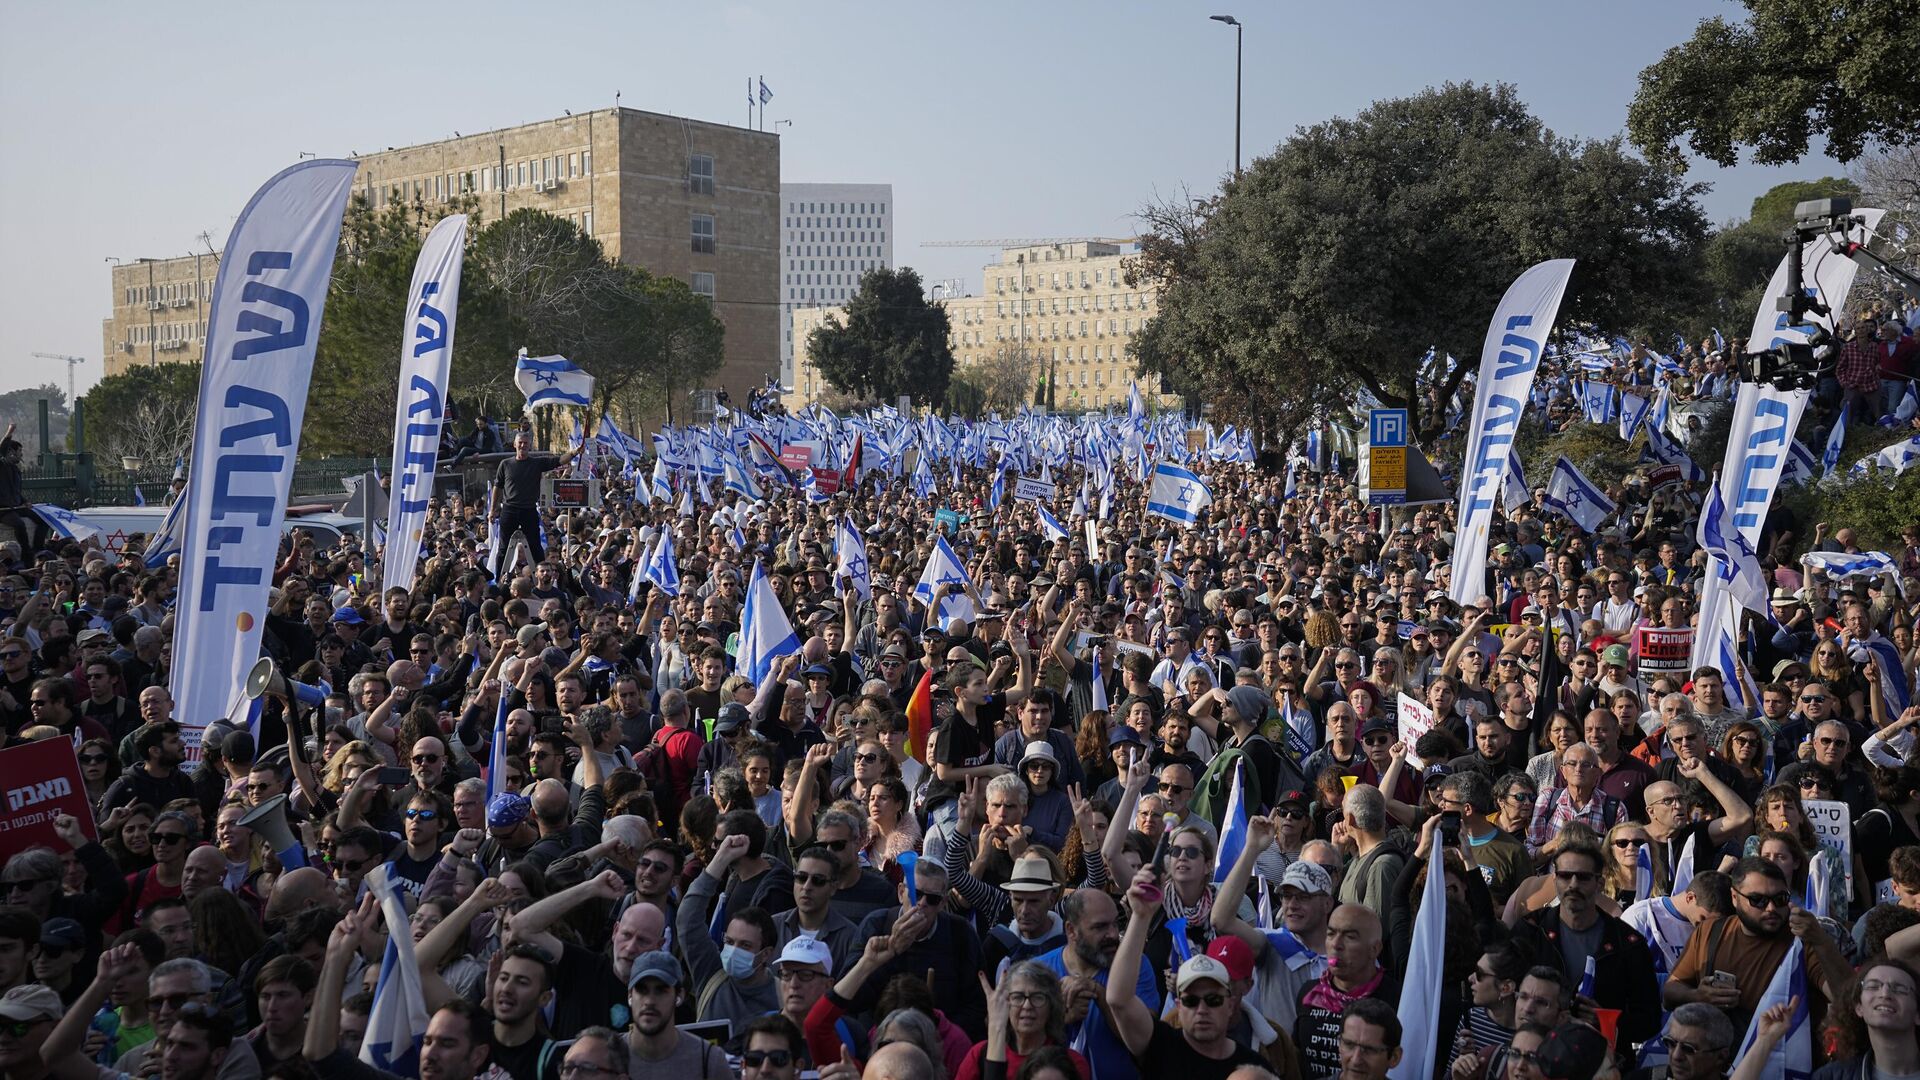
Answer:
(75, 481)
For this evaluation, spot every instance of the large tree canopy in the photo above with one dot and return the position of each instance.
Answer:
(1741, 257)
(1339, 258)
(1841, 70)
(894, 341)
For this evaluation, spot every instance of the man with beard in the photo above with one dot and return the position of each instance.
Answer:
(157, 779)
(1293, 957)
(1567, 935)
(520, 992)
(197, 1044)
(660, 1050)
(1729, 960)
(1200, 1048)
(1093, 934)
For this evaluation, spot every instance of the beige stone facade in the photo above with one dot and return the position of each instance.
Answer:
(686, 198)
(159, 312)
(1069, 302)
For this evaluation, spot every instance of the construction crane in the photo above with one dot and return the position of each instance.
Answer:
(1029, 241)
(72, 362)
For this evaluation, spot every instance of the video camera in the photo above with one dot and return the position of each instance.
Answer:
(1798, 365)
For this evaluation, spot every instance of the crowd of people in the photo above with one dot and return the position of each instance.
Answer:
(976, 831)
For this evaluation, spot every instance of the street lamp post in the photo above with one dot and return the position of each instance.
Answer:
(1238, 30)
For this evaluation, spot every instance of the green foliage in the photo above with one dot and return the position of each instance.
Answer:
(1741, 256)
(143, 412)
(894, 342)
(1337, 259)
(1796, 70)
(21, 408)
(1595, 449)
(965, 397)
(1876, 508)
(531, 280)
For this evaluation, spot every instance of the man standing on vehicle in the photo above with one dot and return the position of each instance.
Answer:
(517, 484)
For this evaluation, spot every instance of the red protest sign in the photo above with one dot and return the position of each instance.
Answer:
(796, 458)
(827, 480)
(1663, 650)
(42, 780)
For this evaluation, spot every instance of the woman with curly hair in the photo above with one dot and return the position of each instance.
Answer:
(1092, 748)
(1778, 809)
(1073, 853)
(1873, 1025)
(124, 835)
(226, 933)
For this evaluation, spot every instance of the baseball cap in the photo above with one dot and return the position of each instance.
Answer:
(1435, 773)
(1378, 724)
(816, 669)
(1202, 968)
(1233, 954)
(62, 934)
(530, 633)
(1295, 796)
(733, 717)
(1309, 877)
(507, 809)
(655, 965)
(88, 637)
(1572, 1052)
(1615, 655)
(346, 614)
(806, 949)
(31, 1002)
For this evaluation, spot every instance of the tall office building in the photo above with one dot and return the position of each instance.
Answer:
(683, 198)
(830, 234)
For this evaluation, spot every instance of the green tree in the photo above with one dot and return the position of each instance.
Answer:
(22, 408)
(1793, 71)
(894, 342)
(143, 412)
(1340, 257)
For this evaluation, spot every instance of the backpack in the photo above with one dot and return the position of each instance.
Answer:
(1215, 786)
(656, 766)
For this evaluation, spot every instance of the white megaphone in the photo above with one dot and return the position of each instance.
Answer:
(269, 819)
(306, 694)
(258, 677)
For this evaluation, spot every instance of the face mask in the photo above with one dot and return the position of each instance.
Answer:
(737, 962)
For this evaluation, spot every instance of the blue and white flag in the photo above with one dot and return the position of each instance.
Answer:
(765, 633)
(1633, 413)
(179, 467)
(1515, 495)
(139, 497)
(426, 353)
(850, 560)
(1233, 826)
(1178, 494)
(397, 1023)
(1792, 1057)
(999, 490)
(1293, 487)
(1050, 526)
(944, 568)
(1897, 458)
(662, 568)
(1098, 689)
(1596, 400)
(1662, 448)
(1830, 458)
(766, 95)
(1893, 675)
(1731, 557)
(1508, 362)
(493, 537)
(65, 523)
(551, 380)
(263, 325)
(1801, 468)
(1573, 495)
(1425, 978)
(1840, 565)
(742, 483)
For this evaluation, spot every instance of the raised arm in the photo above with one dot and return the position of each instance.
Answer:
(1130, 1017)
(433, 949)
(1736, 815)
(323, 1023)
(1226, 904)
(1137, 775)
(531, 926)
(377, 726)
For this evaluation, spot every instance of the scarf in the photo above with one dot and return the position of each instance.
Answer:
(1197, 915)
(1324, 995)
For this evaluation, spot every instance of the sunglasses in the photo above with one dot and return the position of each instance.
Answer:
(426, 759)
(353, 866)
(93, 759)
(1292, 814)
(779, 1059)
(1572, 877)
(1185, 851)
(866, 759)
(1211, 1001)
(835, 846)
(654, 866)
(1766, 900)
(1681, 1046)
(167, 837)
(415, 814)
(1379, 740)
(817, 881)
(1173, 789)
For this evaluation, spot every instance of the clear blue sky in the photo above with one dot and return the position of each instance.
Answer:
(129, 129)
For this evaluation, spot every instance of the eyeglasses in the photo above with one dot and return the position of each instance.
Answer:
(1211, 1001)
(157, 1002)
(1525, 1057)
(754, 1059)
(817, 881)
(158, 837)
(654, 866)
(1681, 1046)
(417, 814)
(1520, 797)
(792, 973)
(1870, 986)
(1185, 851)
(18, 1029)
(24, 884)
(1020, 998)
(1765, 900)
(426, 759)
(352, 866)
(12, 654)
(1574, 877)
(93, 759)
(1173, 789)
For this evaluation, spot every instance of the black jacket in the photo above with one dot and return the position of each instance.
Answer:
(1622, 972)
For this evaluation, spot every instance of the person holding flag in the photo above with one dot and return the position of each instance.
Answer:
(516, 485)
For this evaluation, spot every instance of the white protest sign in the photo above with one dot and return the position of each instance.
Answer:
(1031, 489)
(1415, 720)
(1832, 822)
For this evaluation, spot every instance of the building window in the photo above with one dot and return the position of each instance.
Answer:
(700, 174)
(586, 223)
(586, 163)
(703, 284)
(703, 233)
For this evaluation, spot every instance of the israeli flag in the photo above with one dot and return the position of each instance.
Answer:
(1050, 525)
(1574, 496)
(737, 538)
(999, 491)
(1419, 1022)
(64, 522)
(1893, 676)
(944, 568)
(1909, 404)
(1896, 458)
(661, 567)
(740, 483)
(1136, 408)
(1801, 467)
(1664, 450)
(1830, 457)
(1792, 1056)
(686, 501)
(1177, 494)
(1515, 495)
(922, 478)
(850, 555)
(1233, 827)
(1596, 399)
(765, 633)
(1633, 413)
(139, 498)
(493, 537)
(1841, 564)
(398, 1021)
(551, 380)
(1293, 486)
(1099, 686)
(1732, 557)
(661, 486)
(179, 467)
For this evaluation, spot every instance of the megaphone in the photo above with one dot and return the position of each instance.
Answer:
(269, 819)
(268, 676)
(258, 677)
